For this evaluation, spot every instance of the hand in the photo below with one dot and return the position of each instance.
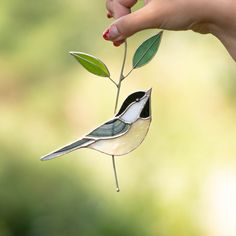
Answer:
(217, 17)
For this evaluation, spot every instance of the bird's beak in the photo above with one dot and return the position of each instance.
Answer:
(148, 92)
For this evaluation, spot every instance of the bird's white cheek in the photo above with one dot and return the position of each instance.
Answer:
(133, 113)
(125, 143)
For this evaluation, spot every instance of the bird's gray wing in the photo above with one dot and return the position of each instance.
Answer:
(110, 129)
(68, 148)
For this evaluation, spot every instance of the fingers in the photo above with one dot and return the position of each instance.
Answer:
(118, 8)
(129, 24)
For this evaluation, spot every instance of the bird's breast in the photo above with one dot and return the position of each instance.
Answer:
(124, 143)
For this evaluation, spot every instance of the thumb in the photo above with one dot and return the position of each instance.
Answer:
(129, 24)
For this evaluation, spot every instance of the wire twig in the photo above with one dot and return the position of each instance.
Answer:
(116, 104)
(113, 82)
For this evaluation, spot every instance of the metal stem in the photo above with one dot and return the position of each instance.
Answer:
(116, 104)
(115, 174)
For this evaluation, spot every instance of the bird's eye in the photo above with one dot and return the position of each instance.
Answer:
(137, 99)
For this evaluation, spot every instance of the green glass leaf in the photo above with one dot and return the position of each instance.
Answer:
(147, 50)
(91, 63)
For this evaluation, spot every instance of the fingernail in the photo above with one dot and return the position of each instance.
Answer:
(105, 35)
(118, 43)
(109, 15)
(111, 33)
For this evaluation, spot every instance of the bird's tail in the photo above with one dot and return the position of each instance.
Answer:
(68, 148)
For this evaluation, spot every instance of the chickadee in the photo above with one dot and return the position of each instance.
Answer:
(120, 135)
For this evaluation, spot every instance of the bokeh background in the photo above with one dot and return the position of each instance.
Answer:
(181, 181)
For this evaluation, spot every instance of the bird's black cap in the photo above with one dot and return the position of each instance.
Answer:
(131, 99)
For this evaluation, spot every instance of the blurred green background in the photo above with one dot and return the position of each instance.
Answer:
(181, 181)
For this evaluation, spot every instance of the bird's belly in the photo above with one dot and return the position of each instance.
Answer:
(125, 143)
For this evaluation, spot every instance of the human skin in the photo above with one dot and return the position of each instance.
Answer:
(217, 17)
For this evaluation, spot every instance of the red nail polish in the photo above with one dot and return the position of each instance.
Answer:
(105, 35)
(117, 43)
(109, 15)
